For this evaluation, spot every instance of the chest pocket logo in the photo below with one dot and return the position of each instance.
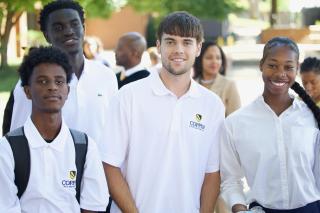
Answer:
(72, 175)
(198, 117)
(197, 123)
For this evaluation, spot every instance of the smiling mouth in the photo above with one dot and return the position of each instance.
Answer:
(178, 60)
(70, 41)
(53, 98)
(278, 84)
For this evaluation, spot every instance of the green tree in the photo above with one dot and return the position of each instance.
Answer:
(218, 9)
(11, 11)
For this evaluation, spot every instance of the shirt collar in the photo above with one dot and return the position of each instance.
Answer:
(134, 69)
(160, 89)
(297, 104)
(35, 140)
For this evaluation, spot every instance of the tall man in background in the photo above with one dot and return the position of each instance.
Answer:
(92, 84)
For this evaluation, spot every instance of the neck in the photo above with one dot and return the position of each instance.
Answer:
(208, 77)
(278, 103)
(77, 63)
(178, 84)
(316, 99)
(130, 66)
(48, 124)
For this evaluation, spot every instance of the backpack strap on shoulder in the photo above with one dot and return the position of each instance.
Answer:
(21, 154)
(80, 140)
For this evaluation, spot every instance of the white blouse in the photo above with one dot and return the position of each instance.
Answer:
(274, 153)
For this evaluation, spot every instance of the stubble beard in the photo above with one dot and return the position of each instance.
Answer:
(176, 72)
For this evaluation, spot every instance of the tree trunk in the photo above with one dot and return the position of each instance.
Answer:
(274, 13)
(4, 38)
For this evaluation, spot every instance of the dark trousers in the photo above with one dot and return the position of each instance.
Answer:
(309, 208)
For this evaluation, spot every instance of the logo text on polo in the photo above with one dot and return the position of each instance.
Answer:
(196, 124)
(71, 182)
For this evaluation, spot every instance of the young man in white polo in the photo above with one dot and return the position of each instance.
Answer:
(161, 148)
(52, 171)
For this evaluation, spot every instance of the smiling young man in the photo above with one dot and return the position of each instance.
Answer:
(52, 172)
(92, 84)
(161, 152)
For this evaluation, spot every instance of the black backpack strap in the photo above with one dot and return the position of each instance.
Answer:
(21, 154)
(80, 140)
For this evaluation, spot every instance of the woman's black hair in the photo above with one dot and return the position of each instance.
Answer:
(279, 42)
(198, 69)
(308, 100)
(310, 64)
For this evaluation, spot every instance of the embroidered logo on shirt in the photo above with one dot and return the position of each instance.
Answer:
(196, 124)
(198, 117)
(71, 182)
(72, 175)
(99, 94)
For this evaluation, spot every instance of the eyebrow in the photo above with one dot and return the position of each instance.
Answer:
(59, 22)
(169, 39)
(275, 60)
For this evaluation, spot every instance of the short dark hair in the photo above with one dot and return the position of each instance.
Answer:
(58, 5)
(181, 24)
(198, 69)
(310, 64)
(276, 42)
(40, 55)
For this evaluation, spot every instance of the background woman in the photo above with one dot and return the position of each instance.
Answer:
(210, 71)
(310, 75)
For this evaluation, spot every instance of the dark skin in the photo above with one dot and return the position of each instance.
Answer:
(48, 91)
(129, 50)
(65, 30)
(279, 69)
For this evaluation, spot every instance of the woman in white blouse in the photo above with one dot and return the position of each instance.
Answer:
(271, 142)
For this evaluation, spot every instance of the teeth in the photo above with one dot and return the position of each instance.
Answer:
(177, 60)
(69, 41)
(278, 83)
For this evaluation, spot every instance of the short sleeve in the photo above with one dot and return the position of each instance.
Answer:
(9, 202)
(94, 194)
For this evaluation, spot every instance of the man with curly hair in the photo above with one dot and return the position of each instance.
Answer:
(52, 176)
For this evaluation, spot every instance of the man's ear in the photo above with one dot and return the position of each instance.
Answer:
(27, 91)
(199, 46)
(158, 46)
(68, 89)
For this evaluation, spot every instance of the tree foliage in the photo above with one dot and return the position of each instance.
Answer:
(217, 9)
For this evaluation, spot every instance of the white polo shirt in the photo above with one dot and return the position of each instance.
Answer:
(163, 144)
(51, 163)
(87, 101)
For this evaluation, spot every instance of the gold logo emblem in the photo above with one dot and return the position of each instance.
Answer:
(198, 117)
(72, 175)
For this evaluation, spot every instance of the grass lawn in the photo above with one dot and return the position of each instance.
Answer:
(8, 78)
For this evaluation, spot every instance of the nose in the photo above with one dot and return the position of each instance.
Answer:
(179, 48)
(52, 85)
(68, 31)
(308, 87)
